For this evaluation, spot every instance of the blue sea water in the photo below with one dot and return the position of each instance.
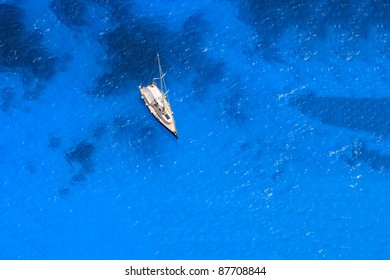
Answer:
(283, 114)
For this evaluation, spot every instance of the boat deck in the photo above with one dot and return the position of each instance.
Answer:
(153, 105)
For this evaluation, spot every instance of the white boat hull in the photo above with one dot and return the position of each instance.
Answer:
(159, 106)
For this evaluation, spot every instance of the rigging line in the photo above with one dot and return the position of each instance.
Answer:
(162, 80)
(151, 73)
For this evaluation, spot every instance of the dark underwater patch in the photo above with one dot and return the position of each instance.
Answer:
(342, 13)
(22, 50)
(31, 167)
(32, 88)
(233, 107)
(137, 132)
(374, 158)
(367, 114)
(42, 64)
(314, 20)
(193, 29)
(212, 72)
(7, 97)
(379, 13)
(188, 49)
(78, 177)
(130, 47)
(119, 10)
(11, 34)
(271, 18)
(82, 154)
(98, 131)
(349, 15)
(131, 52)
(207, 72)
(132, 129)
(54, 143)
(63, 192)
(187, 44)
(69, 12)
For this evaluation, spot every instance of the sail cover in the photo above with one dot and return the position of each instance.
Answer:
(156, 95)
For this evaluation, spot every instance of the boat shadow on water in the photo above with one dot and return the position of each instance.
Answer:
(371, 115)
(374, 158)
(368, 114)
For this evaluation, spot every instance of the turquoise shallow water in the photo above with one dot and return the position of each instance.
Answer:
(282, 110)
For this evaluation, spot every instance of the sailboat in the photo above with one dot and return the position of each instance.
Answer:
(156, 99)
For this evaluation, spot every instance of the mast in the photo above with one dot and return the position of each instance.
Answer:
(161, 73)
(163, 86)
